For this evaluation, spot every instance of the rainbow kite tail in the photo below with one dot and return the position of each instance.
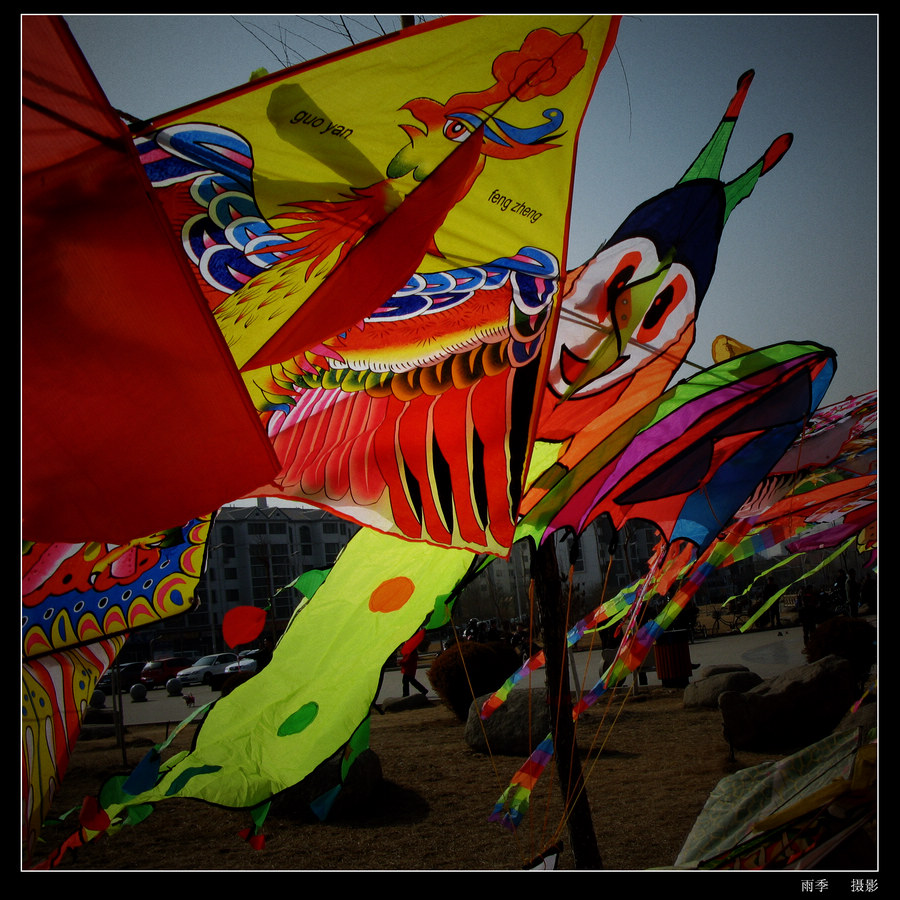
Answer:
(510, 809)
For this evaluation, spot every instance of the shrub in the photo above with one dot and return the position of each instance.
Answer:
(458, 678)
(846, 637)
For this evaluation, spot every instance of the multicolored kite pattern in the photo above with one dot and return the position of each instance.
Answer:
(412, 412)
(380, 273)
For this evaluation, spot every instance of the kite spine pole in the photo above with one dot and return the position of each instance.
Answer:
(568, 764)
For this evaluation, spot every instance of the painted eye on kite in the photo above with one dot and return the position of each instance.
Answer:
(668, 299)
(618, 299)
(456, 130)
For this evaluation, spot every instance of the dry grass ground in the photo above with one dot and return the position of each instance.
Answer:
(648, 777)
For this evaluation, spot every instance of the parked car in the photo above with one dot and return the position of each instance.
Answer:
(129, 675)
(205, 669)
(250, 661)
(157, 672)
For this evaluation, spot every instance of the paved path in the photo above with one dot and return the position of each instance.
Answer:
(160, 708)
(768, 653)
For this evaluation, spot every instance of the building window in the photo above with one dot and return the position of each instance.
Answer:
(270, 569)
(331, 552)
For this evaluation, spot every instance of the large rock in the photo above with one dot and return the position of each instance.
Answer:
(720, 669)
(506, 731)
(704, 692)
(795, 709)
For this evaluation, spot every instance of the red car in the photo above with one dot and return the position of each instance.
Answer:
(159, 671)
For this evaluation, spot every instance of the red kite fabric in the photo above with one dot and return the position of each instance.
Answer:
(134, 417)
(379, 266)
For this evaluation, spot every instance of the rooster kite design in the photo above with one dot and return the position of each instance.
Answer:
(416, 416)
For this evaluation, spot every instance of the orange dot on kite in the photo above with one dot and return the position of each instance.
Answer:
(243, 624)
(392, 594)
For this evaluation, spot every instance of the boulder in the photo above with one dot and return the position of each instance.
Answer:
(704, 692)
(793, 710)
(506, 731)
(720, 669)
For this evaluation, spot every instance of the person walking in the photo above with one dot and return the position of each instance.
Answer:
(808, 608)
(853, 593)
(769, 591)
(409, 663)
(869, 593)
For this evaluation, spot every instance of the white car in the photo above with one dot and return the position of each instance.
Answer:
(247, 664)
(206, 668)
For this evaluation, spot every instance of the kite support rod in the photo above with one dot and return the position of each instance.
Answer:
(548, 593)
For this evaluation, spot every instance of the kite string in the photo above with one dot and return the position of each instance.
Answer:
(532, 842)
(547, 61)
(574, 791)
(596, 755)
(637, 613)
(603, 595)
(487, 742)
(563, 685)
(572, 798)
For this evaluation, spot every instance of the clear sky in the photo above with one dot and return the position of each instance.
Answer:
(798, 260)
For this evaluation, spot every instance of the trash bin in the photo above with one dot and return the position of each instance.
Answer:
(673, 658)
